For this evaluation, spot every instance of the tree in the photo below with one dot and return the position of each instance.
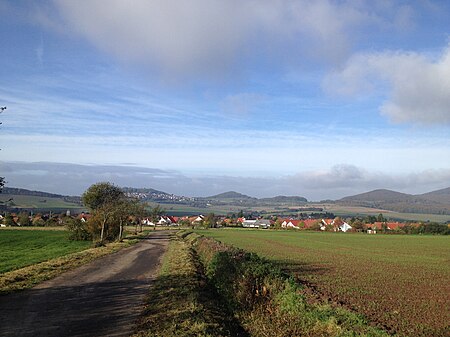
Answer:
(24, 219)
(381, 218)
(8, 220)
(358, 225)
(100, 194)
(123, 209)
(78, 230)
(103, 199)
(210, 221)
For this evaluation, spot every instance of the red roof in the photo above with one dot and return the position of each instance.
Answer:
(310, 222)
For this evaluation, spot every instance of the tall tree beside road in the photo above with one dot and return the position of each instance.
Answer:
(105, 200)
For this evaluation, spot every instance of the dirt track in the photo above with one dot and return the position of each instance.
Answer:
(102, 298)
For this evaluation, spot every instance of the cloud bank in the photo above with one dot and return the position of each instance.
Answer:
(332, 183)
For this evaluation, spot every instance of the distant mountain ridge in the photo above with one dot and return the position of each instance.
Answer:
(11, 191)
(240, 196)
(23, 191)
(437, 202)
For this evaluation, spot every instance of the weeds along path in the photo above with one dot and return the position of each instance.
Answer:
(102, 298)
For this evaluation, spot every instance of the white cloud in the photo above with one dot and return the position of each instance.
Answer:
(212, 38)
(418, 84)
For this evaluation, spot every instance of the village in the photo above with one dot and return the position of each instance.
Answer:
(336, 224)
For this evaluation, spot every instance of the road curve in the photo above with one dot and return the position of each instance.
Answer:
(102, 298)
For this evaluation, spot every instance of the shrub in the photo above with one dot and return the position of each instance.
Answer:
(78, 230)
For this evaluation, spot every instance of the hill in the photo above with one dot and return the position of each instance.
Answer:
(379, 195)
(19, 198)
(285, 199)
(11, 191)
(436, 202)
(230, 195)
(442, 196)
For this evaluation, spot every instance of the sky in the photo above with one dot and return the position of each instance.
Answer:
(320, 99)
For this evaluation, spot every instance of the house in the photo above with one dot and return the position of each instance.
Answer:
(338, 225)
(248, 223)
(83, 217)
(163, 220)
(291, 224)
(258, 223)
(326, 222)
(309, 223)
(345, 227)
(263, 223)
(196, 220)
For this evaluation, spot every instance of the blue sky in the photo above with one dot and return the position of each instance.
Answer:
(314, 98)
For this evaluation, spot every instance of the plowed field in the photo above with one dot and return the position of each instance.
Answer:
(400, 283)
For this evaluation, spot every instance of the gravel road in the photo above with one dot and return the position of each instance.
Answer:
(102, 298)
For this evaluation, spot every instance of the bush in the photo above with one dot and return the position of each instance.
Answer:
(78, 230)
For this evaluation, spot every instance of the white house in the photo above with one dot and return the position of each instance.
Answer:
(290, 224)
(345, 227)
(260, 223)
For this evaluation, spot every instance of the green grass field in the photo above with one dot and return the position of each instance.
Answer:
(20, 248)
(401, 282)
(35, 202)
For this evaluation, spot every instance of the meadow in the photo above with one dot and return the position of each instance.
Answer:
(21, 248)
(401, 283)
(40, 203)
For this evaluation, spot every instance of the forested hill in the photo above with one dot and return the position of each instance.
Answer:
(436, 202)
(230, 195)
(22, 191)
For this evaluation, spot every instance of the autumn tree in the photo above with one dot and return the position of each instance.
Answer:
(103, 199)
(210, 221)
(24, 219)
(8, 220)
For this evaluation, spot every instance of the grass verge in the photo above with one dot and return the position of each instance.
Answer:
(181, 302)
(28, 277)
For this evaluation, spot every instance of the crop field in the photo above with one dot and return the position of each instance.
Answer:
(399, 282)
(20, 248)
(35, 202)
